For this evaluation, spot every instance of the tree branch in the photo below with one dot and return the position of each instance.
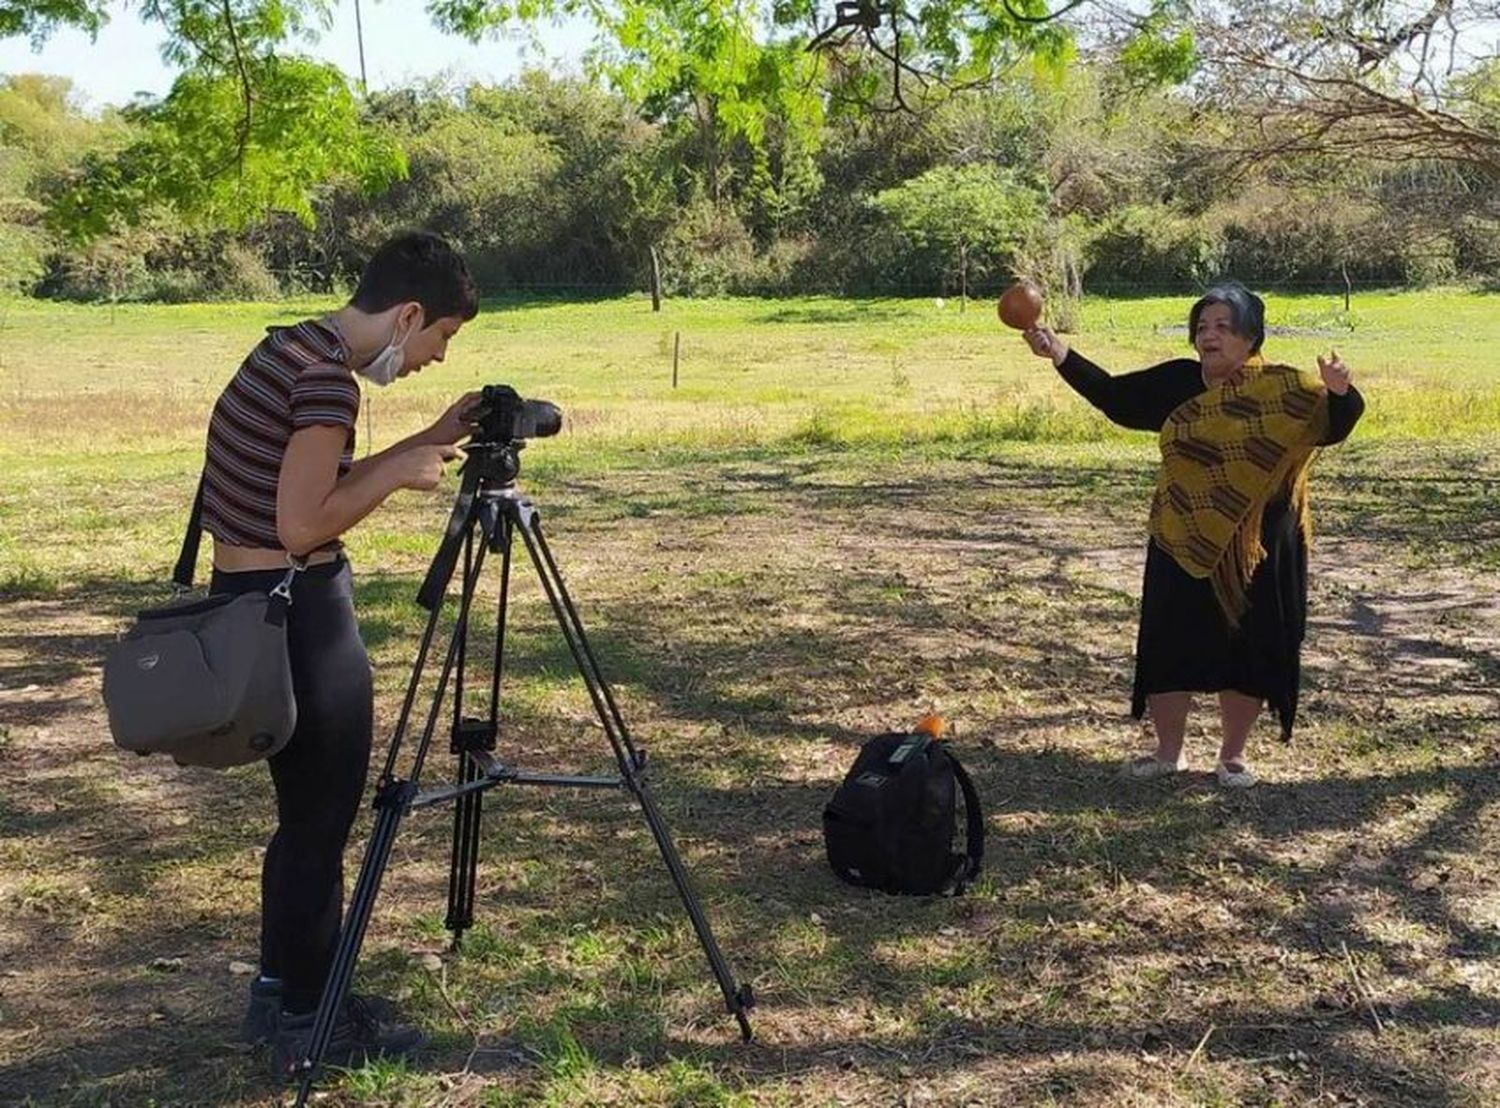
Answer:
(247, 92)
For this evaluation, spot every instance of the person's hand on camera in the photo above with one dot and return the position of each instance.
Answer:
(457, 422)
(421, 467)
(1044, 343)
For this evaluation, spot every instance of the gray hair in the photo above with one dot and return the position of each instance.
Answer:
(1247, 312)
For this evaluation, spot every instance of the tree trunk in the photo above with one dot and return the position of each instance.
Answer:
(655, 280)
(708, 130)
(963, 276)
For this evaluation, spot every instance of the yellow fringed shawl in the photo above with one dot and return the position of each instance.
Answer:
(1225, 454)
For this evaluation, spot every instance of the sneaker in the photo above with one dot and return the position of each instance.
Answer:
(1236, 775)
(262, 1013)
(1145, 767)
(365, 1029)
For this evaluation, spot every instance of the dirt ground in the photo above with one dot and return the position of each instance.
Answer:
(1330, 937)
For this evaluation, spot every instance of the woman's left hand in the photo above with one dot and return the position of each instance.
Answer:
(456, 422)
(1335, 373)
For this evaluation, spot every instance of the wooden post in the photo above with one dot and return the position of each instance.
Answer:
(1348, 286)
(655, 281)
(676, 352)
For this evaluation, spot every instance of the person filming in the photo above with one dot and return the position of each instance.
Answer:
(281, 482)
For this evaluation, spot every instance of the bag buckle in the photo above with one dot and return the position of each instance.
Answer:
(283, 589)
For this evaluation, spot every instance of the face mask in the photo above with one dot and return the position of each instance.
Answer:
(386, 366)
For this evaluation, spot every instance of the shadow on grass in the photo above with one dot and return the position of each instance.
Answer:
(1084, 877)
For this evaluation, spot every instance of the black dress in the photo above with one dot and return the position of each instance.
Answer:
(1185, 644)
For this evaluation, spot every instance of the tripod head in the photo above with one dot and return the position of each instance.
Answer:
(492, 463)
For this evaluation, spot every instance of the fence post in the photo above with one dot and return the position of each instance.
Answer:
(676, 351)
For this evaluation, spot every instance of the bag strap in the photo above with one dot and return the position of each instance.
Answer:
(969, 862)
(187, 560)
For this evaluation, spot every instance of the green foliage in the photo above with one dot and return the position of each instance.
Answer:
(225, 35)
(23, 252)
(37, 19)
(42, 134)
(39, 115)
(970, 216)
(709, 252)
(1081, 177)
(1432, 260)
(1162, 50)
(223, 161)
(541, 180)
(1153, 244)
(1478, 91)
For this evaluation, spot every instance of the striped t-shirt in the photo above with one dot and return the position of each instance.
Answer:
(296, 377)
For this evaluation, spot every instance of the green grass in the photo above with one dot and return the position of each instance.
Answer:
(848, 513)
(102, 412)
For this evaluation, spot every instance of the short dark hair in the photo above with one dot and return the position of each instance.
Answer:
(420, 266)
(1247, 312)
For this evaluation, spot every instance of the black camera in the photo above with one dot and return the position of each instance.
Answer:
(503, 416)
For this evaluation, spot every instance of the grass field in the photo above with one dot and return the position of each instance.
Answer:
(846, 513)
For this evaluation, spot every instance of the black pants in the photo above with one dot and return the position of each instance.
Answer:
(319, 776)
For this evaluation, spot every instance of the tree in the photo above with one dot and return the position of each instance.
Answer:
(248, 126)
(223, 169)
(752, 72)
(43, 136)
(37, 19)
(974, 215)
(899, 48)
(1352, 81)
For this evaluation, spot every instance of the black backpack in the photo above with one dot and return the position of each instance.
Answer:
(890, 825)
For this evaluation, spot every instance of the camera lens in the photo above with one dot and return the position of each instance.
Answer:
(541, 418)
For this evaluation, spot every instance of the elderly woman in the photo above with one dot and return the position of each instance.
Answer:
(1225, 599)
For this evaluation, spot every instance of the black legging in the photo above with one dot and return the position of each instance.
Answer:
(319, 775)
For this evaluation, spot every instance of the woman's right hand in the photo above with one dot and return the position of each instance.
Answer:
(1045, 344)
(421, 467)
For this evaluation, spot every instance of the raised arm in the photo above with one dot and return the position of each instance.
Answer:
(1140, 401)
(1345, 404)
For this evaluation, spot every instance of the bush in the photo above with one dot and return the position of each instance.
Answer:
(709, 252)
(244, 275)
(1430, 260)
(152, 264)
(1285, 236)
(23, 252)
(870, 255)
(1154, 245)
(107, 269)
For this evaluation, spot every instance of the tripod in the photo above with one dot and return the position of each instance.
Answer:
(487, 514)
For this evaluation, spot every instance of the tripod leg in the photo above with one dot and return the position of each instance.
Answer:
(466, 812)
(471, 735)
(392, 799)
(390, 807)
(463, 871)
(737, 998)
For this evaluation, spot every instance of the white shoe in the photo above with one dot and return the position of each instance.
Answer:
(1236, 775)
(1145, 767)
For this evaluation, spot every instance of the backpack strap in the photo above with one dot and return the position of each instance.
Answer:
(187, 561)
(969, 861)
